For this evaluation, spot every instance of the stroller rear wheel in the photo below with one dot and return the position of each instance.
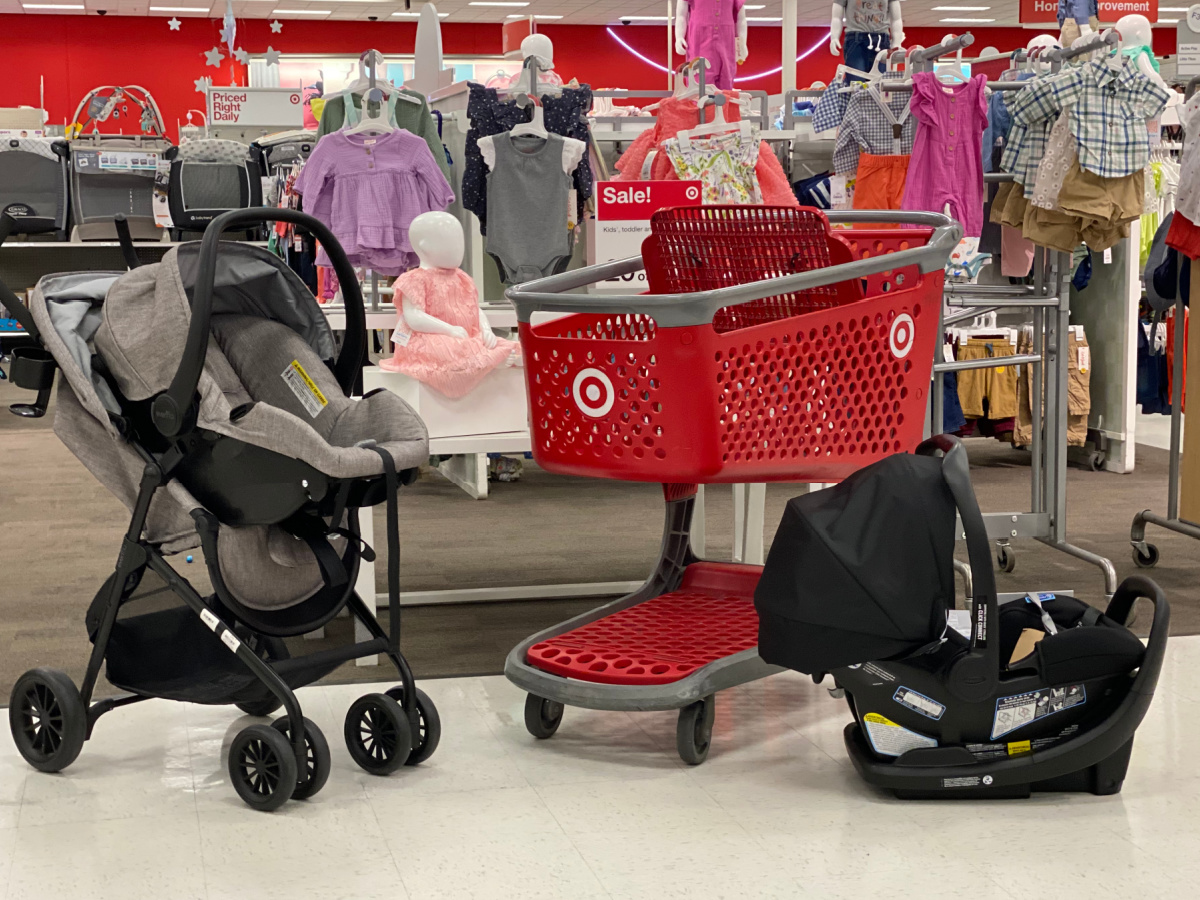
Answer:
(317, 765)
(378, 734)
(48, 719)
(693, 733)
(426, 730)
(542, 716)
(262, 767)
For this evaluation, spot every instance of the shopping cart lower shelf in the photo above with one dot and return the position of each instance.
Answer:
(768, 348)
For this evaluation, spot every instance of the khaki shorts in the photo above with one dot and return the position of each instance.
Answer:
(1079, 398)
(1009, 206)
(987, 393)
(1053, 229)
(1105, 206)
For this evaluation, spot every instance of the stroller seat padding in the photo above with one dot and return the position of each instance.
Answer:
(265, 568)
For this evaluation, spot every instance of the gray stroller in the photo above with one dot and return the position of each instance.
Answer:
(207, 393)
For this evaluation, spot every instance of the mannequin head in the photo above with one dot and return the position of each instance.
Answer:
(1134, 31)
(540, 46)
(437, 239)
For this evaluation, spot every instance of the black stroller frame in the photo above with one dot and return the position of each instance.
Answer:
(50, 720)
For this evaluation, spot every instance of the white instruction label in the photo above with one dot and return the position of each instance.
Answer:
(960, 621)
(1020, 710)
(837, 190)
(305, 389)
(230, 640)
(207, 617)
(889, 739)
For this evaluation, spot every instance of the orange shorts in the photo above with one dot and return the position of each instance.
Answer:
(880, 181)
(1183, 235)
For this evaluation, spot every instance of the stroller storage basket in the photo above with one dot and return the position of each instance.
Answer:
(779, 350)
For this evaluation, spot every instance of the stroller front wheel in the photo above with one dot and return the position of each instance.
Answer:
(426, 729)
(378, 734)
(317, 758)
(48, 719)
(262, 767)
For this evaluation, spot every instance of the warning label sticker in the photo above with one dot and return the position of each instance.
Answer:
(1012, 748)
(1022, 709)
(305, 389)
(890, 739)
(919, 703)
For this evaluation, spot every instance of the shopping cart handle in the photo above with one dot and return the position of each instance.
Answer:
(698, 308)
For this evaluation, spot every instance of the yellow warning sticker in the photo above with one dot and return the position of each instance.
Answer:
(1015, 747)
(892, 739)
(305, 389)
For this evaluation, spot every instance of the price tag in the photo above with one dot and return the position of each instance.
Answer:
(837, 190)
(1154, 131)
(160, 206)
(1108, 257)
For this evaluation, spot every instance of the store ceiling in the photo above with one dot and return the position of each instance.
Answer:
(577, 12)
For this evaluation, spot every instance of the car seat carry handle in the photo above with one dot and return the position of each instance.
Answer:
(1118, 610)
(974, 675)
(125, 239)
(170, 409)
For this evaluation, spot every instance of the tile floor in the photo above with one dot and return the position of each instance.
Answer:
(604, 809)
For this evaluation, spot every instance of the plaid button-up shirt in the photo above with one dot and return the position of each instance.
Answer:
(1109, 120)
(866, 127)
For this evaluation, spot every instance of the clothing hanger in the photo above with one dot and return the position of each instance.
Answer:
(376, 122)
(370, 86)
(535, 127)
(718, 125)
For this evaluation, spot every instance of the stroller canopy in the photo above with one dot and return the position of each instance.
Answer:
(860, 571)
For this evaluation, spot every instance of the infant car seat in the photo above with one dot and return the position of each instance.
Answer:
(113, 175)
(209, 177)
(33, 184)
(1045, 693)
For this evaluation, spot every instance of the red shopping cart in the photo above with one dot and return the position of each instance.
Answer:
(769, 347)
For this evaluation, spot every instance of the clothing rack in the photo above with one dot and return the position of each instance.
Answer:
(1145, 554)
(923, 59)
(1062, 54)
(1049, 301)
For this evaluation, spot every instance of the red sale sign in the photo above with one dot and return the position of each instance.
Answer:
(1034, 11)
(623, 201)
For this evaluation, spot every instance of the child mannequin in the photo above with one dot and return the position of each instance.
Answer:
(442, 337)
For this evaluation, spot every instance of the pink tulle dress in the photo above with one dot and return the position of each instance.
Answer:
(450, 365)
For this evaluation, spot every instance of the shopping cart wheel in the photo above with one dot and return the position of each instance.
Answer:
(1006, 559)
(426, 730)
(542, 716)
(316, 769)
(693, 734)
(1147, 560)
(378, 734)
(262, 767)
(48, 719)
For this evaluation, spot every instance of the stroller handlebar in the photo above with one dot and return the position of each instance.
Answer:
(170, 408)
(699, 307)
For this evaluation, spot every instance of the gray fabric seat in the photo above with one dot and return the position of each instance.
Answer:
(266, 361)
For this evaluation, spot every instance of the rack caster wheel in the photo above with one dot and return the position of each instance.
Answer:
(262, 767)
(1146, 560)
(378, 734)
(426, 730)
(1097, 461)
(48, 719)
(318, 764)
(1006, 559)
(542, 716)
(693, 734)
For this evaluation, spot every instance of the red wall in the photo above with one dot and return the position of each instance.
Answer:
(76, 53)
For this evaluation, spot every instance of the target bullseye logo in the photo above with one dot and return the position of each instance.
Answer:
(901, 337)
(692, 193)
(593, 393)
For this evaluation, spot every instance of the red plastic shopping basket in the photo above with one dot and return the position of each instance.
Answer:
(803, 386)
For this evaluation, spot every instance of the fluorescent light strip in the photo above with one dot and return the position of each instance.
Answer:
(966, 21)
(496, 3)
(528, 15)
(641, 18)
(196, 9)
(764, 18)
(302, 12)
(755, 6)
(1173, 9)
(1166, 22)
(413, 15)
(50, 6)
